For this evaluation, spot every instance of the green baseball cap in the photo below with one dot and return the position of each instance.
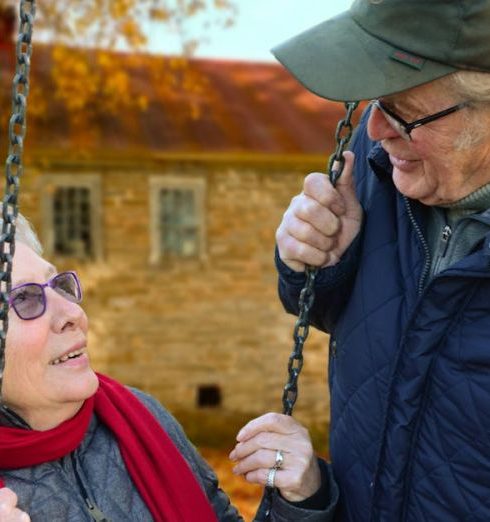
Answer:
(380, 47)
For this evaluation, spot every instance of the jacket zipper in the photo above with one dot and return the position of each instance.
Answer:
(96, 513)
(443, 247)
(446, 236)
(425, 247)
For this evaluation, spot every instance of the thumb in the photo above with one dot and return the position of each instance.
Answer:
(345, 183)
(7, 497)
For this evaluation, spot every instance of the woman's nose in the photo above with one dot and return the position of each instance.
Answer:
(65, 313)
(378, 127)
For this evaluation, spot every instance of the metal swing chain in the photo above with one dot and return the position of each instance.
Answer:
(343, 134)
(14, 166)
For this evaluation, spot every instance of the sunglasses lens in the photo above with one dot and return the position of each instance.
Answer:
(28, 301)
(66, 284)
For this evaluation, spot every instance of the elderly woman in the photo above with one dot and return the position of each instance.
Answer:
(403, 242)
(75, 445)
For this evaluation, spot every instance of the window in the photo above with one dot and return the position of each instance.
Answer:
(71, 216)
(177, 218)
(209, 396)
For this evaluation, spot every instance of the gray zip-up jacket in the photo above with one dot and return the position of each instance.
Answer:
(92, 483)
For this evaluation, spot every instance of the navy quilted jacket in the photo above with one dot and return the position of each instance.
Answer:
(409, 363)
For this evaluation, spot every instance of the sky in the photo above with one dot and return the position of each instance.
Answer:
(260, 25)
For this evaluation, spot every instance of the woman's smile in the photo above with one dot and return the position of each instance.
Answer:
(76, 351)
(74, 359)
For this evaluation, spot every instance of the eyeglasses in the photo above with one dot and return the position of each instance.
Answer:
(29, 299)
(403, 127)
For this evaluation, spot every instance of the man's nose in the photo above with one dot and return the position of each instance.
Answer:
(378, 127)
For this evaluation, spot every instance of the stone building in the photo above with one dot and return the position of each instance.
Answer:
(170, 220)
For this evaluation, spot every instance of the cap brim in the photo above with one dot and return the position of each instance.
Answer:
(340, 61)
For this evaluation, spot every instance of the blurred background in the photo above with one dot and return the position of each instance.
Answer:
(163, 146)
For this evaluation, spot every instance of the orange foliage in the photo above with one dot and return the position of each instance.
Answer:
(244, 496)
(92, 82)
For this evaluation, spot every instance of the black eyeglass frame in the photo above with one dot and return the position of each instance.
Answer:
(404, 128)
(51, 284)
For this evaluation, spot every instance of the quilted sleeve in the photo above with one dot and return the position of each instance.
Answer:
(333, 284)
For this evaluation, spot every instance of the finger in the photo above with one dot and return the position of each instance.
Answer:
(259, 476)
(8, 497)
(274, 422)
(297, 254)
(262, 458)
(321, 218)
(283, 479)
(293, 486)
(318, 187)
(306, 233)
(260, 443)
(345, 184)
(296, 448)
(346, 177)
(19, 516)
(267, 459)
(296, 444)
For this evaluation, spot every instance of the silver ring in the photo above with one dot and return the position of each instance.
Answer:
(279, 459)
(270, 478)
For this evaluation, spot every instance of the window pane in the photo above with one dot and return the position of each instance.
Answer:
(72, 230)
(178, 223)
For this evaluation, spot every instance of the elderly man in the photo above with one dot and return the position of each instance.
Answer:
(403, 242)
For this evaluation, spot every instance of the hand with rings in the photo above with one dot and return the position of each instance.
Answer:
(275, 450)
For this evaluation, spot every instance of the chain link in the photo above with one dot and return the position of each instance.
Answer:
(300, 333)
(14, 165)
(343, 134)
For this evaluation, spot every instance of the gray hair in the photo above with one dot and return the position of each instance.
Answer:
(470, 85)
(474, 87)
(24, 232)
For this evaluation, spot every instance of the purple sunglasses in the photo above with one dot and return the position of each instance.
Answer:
(29, 299)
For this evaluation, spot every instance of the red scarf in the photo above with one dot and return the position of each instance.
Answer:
(161, 475)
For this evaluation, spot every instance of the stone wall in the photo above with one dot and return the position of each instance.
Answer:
(172, 327)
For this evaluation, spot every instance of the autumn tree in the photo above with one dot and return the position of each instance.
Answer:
(95, 44)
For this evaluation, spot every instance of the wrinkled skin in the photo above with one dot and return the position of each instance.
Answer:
(322, 221)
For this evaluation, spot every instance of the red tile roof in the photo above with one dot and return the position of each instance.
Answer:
(243, 107)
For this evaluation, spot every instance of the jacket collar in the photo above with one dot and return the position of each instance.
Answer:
(379, 162)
